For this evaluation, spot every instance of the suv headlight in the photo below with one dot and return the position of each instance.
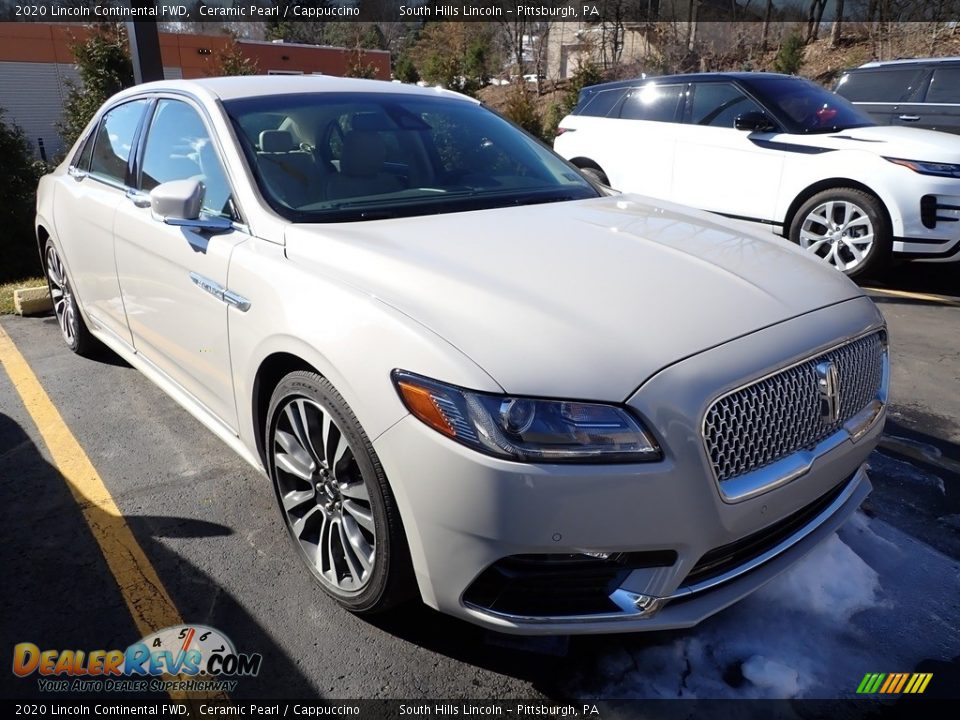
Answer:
(528, 429)
(928, 168)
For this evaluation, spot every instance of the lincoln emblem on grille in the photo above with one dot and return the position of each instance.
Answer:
(828, 383)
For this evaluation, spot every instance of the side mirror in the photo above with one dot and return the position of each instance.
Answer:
(179, 203)
(753, 122)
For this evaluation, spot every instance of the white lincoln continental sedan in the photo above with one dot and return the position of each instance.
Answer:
(471, 375)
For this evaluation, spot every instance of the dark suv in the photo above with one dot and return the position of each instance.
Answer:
(921, 93)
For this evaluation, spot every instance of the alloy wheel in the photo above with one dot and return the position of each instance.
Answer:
(62, 296)
(325, 500)
(840, 232)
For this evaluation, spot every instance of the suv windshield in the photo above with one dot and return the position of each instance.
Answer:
(341, 157)
(804, 107)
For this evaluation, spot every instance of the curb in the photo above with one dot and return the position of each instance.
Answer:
(32, 301)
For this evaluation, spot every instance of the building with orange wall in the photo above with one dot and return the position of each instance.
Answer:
(36, 64)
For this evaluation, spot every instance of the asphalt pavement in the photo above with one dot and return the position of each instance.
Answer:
(208, 524)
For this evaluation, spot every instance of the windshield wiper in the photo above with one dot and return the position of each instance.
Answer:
(539, 199)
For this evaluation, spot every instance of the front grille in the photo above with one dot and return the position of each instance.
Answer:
(781, 414)
(733, 555)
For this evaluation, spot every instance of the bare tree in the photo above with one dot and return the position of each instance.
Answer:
(692, 24)
(513, 32)
(837, 23)
(766, 26)
(813, 21)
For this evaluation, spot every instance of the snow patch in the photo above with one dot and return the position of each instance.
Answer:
(771, 675)
(808, 633)
(832, 581)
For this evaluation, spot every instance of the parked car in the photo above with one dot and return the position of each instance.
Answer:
(780, 152)
(923, 92)
(469, 374)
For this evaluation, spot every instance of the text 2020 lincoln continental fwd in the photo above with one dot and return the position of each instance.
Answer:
(471, 375)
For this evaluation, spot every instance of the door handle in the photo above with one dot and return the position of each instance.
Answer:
(909, 118)
(140, 199)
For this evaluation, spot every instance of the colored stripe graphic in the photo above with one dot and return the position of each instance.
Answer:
(891, 680)
(894, 683)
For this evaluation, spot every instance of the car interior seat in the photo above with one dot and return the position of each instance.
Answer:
(290, 172)
(362, 168)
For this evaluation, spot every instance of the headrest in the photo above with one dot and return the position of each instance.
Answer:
(363, 154)
(370, 121)
(277, 141)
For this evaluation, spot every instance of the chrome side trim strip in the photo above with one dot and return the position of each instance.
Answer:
(207, 285)
(220, 292)
(238, 301)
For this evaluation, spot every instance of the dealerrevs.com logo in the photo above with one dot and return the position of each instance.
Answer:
(201, 658)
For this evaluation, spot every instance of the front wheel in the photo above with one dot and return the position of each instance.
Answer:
(847, 228)
(334, 496)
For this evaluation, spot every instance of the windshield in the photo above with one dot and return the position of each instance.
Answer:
(341, 157)
(804, 107)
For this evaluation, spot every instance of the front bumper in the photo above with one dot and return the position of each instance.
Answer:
(930, 213)
(464, 512)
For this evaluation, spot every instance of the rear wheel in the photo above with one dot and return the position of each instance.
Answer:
(334, 496)
(596, 175)
(847, 228)
(72, 327)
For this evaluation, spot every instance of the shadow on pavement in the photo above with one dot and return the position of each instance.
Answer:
(59, 592)
(534, 660)
(912, 488)
(922, 277)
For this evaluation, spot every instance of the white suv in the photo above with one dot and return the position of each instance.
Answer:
(779, 151)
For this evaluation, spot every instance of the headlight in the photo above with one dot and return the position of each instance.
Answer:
(928, 168)
(527, 429)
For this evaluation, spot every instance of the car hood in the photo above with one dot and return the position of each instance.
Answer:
(584, 299)
(900, 142)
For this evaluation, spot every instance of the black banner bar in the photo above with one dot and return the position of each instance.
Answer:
(617, 11)
(458, 709)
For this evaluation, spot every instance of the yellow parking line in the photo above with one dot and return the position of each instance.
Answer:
(926, 297)
(144, 593)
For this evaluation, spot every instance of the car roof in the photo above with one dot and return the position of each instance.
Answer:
(690, 77)
(909, 61)
(233, 88)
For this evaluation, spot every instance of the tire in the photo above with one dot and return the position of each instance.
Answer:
(595, 175)
(72, 327)
(835, 225)
(334, 497)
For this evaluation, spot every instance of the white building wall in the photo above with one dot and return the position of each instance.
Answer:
(33, 95)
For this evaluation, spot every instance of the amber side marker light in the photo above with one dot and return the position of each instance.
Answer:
(421, 403)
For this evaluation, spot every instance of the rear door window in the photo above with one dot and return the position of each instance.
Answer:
(944, 86)
(881, 85)
(111, 150)
(599, 104)
(657, 103)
